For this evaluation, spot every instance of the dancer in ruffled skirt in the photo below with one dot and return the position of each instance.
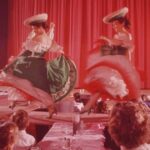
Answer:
(31, 76)
(110, 73)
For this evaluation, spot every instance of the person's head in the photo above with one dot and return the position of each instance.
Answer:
(77, 97)
(8, 135)
(144, 97)
(39, 28)
(118, 19)
(129, 124)
(21, 118)
(120, 23)
(101, 107)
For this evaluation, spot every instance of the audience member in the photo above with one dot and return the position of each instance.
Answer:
(21, 118)
(129, 126)
(146, 100)
(101, 107)
(109, 142)
(8, 135)
(81, 98)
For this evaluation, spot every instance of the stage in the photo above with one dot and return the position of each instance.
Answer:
(38, 114)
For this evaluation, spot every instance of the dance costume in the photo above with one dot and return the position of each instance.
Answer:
(34, 74)
(111, 74)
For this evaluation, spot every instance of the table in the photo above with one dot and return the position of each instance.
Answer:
(60, 137)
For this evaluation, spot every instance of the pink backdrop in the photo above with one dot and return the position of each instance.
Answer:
(79, 24)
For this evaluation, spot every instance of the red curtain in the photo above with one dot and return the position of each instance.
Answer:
(3, 32)
(79, 24)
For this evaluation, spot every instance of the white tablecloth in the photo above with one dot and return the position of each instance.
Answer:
(60, 137)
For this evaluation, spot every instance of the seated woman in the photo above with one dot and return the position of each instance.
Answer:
(24, 139)
(8, 135)
(129, 126)
(31, 75)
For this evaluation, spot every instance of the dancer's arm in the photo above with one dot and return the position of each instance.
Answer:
(51, 31)
(54, 47)
(112, 41)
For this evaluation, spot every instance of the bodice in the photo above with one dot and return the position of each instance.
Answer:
(42, 46)
(122, 48)
(37, 46)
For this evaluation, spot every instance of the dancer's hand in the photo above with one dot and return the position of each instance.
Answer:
(52, 25)
(105, 39)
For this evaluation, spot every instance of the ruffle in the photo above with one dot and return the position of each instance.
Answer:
(113, 76)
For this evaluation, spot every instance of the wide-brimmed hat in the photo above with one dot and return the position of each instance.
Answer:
(115, 15)
(39, 18)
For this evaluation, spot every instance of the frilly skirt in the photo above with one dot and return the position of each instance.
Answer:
(56, 77)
